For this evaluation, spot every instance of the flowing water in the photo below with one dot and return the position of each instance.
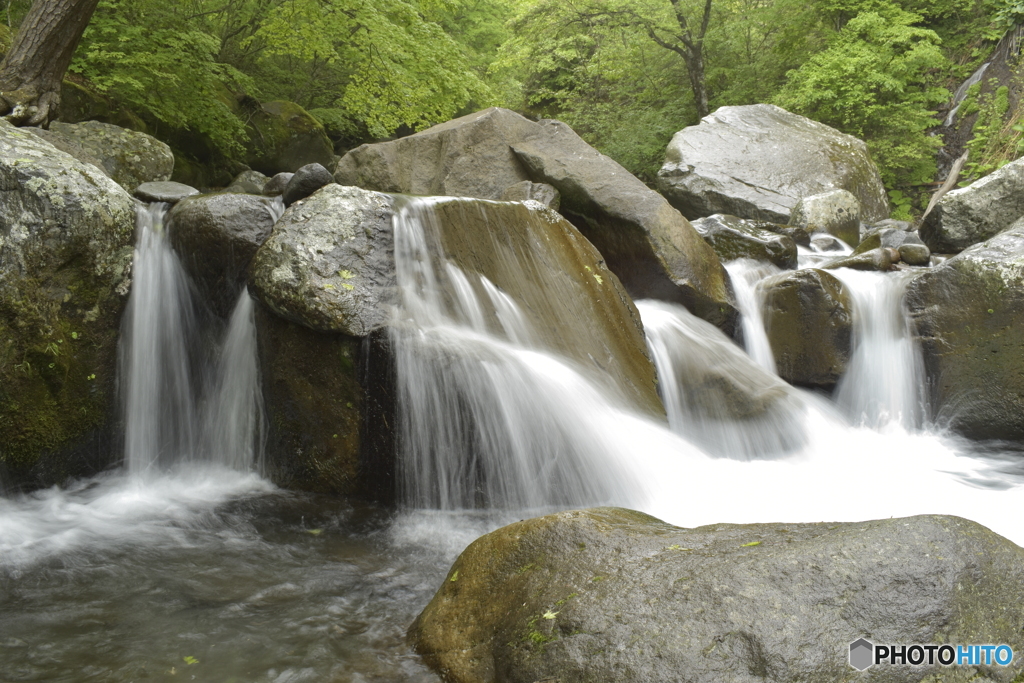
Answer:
(187, 565)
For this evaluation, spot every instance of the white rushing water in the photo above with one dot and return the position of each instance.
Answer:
(746, 275)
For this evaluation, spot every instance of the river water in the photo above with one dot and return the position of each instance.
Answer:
(187, 565)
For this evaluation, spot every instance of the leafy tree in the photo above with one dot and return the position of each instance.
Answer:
(876, 81)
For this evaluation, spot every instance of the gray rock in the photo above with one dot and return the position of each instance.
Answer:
(329, 264)
(275, 186)
(825, 243)
(647, 244)
(977, 212)
(65, 254)
(466, 157)
(915, 254)
(905, 226)
(798, 235)
(653, 250)
(305, 182)
(614, 595)
(887, 237)
(836, 212)
(880, 259)
(129, 157)
(969, 315)
(538, 192)
(733, 238)
(216, 236)
(164, 191)
(808, 318)
(247, 182)
(757, 161)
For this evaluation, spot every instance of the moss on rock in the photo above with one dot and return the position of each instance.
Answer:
(65, 253)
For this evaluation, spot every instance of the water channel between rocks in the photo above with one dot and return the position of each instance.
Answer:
(187, 565)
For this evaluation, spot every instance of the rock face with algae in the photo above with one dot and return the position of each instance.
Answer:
(65, 255)
(614, 595)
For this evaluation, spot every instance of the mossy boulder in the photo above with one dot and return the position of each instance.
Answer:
(129, 157)
(734, 238)
(757, 161)
(5, 40)
(65, 253)
(615, 595)
(284, 137)
(836, 212)
(79, 102)
(809, 321)
(969, 315)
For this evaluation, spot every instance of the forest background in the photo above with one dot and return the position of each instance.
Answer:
(625, 74)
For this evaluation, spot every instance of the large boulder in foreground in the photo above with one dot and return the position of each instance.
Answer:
(128, 156)
(977, 212)
(757, 161)
(969, 315)
(651, 248)
(216, 235)
(809, 321)
(65, 253)
(614, 595)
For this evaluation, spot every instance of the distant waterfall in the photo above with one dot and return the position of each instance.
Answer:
(884, 380)
(178, 403)
(490, 417)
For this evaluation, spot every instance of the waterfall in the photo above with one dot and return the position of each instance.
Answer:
(746, 274)
(177, 404)
(883, 383)
(715, 394)
(490, 414)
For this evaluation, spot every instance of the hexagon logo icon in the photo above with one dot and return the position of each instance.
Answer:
(862, 654)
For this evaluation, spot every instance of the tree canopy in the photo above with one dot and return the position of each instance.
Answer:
(626, 74)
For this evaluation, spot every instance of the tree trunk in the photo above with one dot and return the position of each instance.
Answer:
(31, 73)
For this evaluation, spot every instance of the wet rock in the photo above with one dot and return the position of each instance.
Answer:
(328, 266)
(977, 212)
(216, 235)
(285, 137)
(275, 186)
(887, 237)
(608, 594)
(65, 254)
(874, 259)
(798, 235)
(825, 243)
(836, 212)
(314, 394)
(247, 182)
(164, 191)
(305, 182)
(651, 248)
(757, 161)
(538, 192)
(733, 238)
(915, 254)
(129, 157)
(969, 315)
(808, 318)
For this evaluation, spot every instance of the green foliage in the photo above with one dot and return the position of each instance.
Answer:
(874, 82)
(995, 141)
(140, 55)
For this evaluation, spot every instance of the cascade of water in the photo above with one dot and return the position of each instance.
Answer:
(714, 394)
(165, 377)
(488, 415)
(746, 274)
(883, 382)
